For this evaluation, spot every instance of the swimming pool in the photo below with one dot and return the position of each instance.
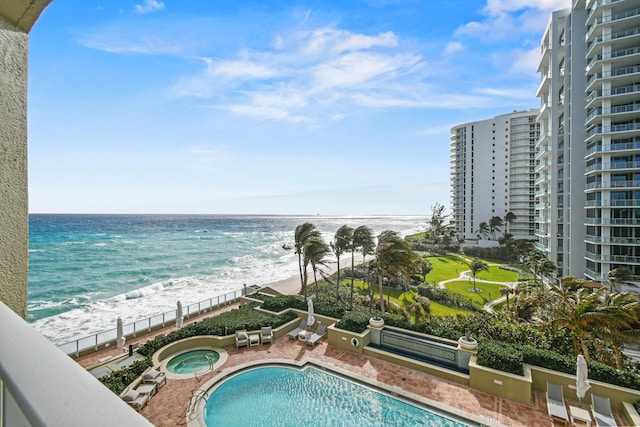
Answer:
(283, 396)
(193, 362)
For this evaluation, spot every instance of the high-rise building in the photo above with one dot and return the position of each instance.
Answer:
(588, 155)
(492, 174)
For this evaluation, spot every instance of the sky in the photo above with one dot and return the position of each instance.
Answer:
(332, 107)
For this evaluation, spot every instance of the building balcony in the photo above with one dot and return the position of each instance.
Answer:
(627, 241)
(612, 258)
(615, 129)
(612, 166)
(612, 221)
(618, 35)
(615, 147)
(42, 386)
(612, 203)
(626, 53)
(606, 185)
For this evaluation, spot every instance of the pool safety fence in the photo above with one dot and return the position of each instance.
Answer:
(105, 338)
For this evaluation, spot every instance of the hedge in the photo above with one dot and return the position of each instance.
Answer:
(223, 324)
(117, 381)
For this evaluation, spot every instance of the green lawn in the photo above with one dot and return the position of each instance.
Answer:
(490, 291)
(405, 299)
(496, 274)
(445, 268)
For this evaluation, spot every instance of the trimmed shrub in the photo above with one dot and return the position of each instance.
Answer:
(282, 302)
(117, 381)
(500, 356)
(223, 324)
(354, 321)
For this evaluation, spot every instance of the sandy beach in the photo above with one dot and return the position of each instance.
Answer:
(291, 286)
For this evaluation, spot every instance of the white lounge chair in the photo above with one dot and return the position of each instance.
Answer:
(136, 399)
(242, 338)
(153, 376)
(303, 327)
(555, 403)
(601, 410)
(266, 334)
(317, 335)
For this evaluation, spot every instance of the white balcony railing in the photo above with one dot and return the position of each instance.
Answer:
(41, 386)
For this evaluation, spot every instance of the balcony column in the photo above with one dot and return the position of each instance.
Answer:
(14, 224)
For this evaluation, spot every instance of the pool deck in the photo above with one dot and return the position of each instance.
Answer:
(167, 407)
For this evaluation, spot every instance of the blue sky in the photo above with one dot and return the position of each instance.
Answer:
(267, 107)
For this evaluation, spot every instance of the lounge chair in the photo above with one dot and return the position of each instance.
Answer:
(601, 410)
(317, 335)
(303, 327)
(242, 338)
(266, 334)
(555, 403)
(153, 376)
(136, 399)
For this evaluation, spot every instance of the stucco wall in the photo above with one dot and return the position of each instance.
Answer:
(14, 225)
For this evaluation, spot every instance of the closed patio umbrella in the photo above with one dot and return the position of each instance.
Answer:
(310, 319)
(582, 373)
(179, 317)
(120, 339)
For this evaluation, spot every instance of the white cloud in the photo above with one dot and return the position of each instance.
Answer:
(510, 18)
(525, 61)
(149, 6)
(497, 7)
(239, 69)
(453, 47)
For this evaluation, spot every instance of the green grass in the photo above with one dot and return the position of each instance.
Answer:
(405, 299)
(496, 274)
(445, 268)
(490, 291)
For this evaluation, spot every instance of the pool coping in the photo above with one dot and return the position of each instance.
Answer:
(196, 417)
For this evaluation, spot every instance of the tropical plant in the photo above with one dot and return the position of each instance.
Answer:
(302, 234)
(483, 230)
(618, 275)
(506, 240)
(341, 244)
(421, 304)
(509, 217)
(579, 312)
(539, 264)
(394, 258)
(363, 240)
(622, 310)
(315, 251)
(476, 266)
(494, 225)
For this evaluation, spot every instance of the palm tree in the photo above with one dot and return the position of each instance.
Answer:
(494, 223)
(618, 275)
(425, 268)
(509, 217)
(315, 251)
(476, 266)
(623, 309)
(394, 257)
(507, 241)
(303, 233)
(341, 244)
(419, 305)
(483, 230)
(539, 264)
(362, 239)
(578, 312)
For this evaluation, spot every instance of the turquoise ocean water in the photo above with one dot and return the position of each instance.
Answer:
(85, 271)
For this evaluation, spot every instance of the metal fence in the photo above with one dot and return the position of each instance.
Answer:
(147, 325)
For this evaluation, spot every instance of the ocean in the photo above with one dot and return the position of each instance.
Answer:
(85, 271)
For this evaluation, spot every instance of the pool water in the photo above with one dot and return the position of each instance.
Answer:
(193, 362)
(280, 396)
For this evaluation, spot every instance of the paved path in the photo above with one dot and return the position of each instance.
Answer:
(466, 275)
